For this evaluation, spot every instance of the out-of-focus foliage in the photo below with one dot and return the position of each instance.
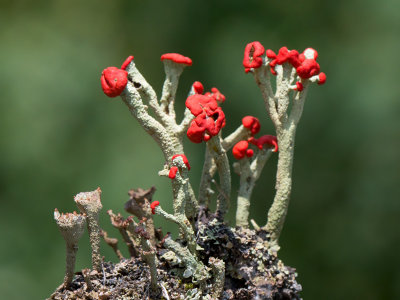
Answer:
(60, 135)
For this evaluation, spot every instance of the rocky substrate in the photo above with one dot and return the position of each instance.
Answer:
(252, 271)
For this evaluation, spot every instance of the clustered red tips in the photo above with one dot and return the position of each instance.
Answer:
(305, 63)
(268, 140)
(177, 58)
(210, 118)
(253, 56)
(174, 169)
(153, 206)
(114, 80)
(241, 150)
(251, 123)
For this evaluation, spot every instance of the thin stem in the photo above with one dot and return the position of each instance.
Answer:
(249, 174)
(221, 160)
(72, 249)
(209, 168)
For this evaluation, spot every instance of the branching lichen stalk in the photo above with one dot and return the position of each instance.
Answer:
(249, 174)
(221, 160)
(286, 136)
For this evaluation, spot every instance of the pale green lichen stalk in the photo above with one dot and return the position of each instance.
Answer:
(89, 203)
(72, 226)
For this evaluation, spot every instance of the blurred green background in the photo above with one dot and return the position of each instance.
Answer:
(60, 135)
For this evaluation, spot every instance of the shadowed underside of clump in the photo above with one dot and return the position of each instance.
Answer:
(209, 260)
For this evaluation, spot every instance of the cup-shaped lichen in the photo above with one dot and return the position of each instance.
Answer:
(72, 226)
(90, 204)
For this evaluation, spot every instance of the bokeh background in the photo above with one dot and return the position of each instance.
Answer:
(60, 135)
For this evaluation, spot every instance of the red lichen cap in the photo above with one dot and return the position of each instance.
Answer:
(253, 55)
(198, 87)
(177, 58)
(251, 123)
(241, 150)
(321, 78)
(153, 206)
(207, 124)
(126, 63)
(113, 81)
(265, 140)
(184, 158)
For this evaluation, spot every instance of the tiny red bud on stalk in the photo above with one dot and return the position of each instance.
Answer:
(249, 152)
(172, 172)
(299, 86)
(126, 63)
(153, 206)
(322, 78)
(177, 58)
(198, 87)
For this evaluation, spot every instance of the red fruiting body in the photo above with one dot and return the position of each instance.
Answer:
(177, 58)
(308, 68)
(252, 124)
(198, 87)
(209, 118)
(240, 150)
(185, 160)
(113, 81)
(322, 78)
(126, 62)
(253, 56)
(208, 123)
(265, 139)
(299, 86)
(153, 206)
(172, 172)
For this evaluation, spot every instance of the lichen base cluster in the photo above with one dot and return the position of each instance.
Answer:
(253, 271)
